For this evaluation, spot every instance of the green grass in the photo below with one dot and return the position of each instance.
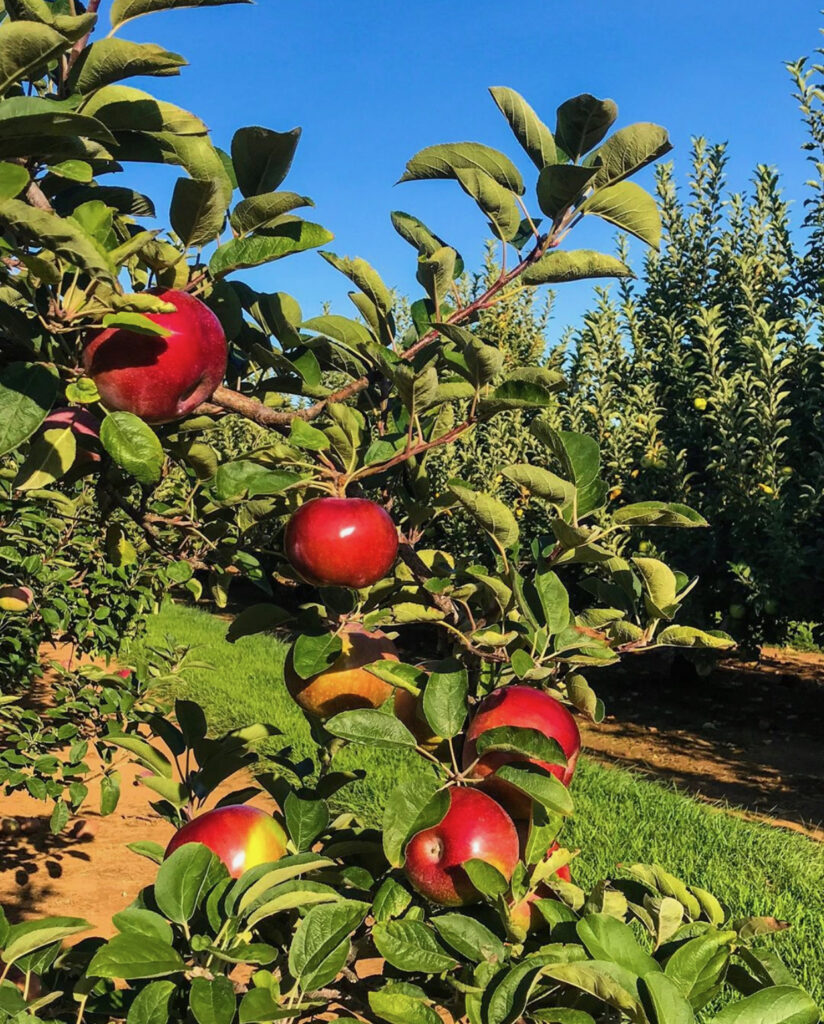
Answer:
(620, 816)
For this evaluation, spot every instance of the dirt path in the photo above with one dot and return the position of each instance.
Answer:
(751, 734)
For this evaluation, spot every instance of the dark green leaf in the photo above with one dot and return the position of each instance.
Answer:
(538, 784)
(469, 938)
(26, 48)
(575, 265)
(27, 393)
(582, 122)
(559, 185)
(133, 445)
(630, 208)
(528, 128)
(444, 700)
(126, 10)
(212, 1000)
(152, 1004)
(184, 879)
(198, 211)
(527, 742)
(627, 151)
(131, 956)
(372, 727)
(411, 946)
(305, 820)
(251, 251)
(444, 160)
(262, 158)
(111, 60)
(262, 211)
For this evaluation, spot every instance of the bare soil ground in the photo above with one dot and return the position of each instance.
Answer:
(750, 734)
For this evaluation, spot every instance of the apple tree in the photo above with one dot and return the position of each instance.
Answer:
(238, 438)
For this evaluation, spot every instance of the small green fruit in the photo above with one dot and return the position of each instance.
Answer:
(644, 546)
(737, 611)
(700, 404)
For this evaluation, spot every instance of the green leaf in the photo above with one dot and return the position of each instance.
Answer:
(486, 878)
(689, 636)
(314, 653)
(321, 932)
(151, 851)
(664, 1001)
(109, 793)
(399, 1003)
(364, 277)
(144, 752)
(580, 461)
(528, 128)
(444, 700)
(26, 49)
(559, 185)
(133, 445)
(372, 727)
(469, 938)
(658, 513)
(26, 121)
(411, 807)
(630, 208)
(50, 457)
(539, 785)
(262, 211)
(659, 581)
(184, 879)
(391, 900)
(581, 124)
(29, 936)
(496, 202)
(111, 60)
(627, 151)
(420, 237)
(305, 820)
(783, 1004)
(65, 238)
(13, 179)
(541, 483)
(606, 938)
(252, 251)
(73, 170)
(262, 158)
(198, 211)
(526, 742)
(698, 965)
(137, 322)
(256, 618)
(234, 480)
(445, 160)
(126, 10)
(602, 979)
(130, 956)
(152, 1004)
(143, 922)
(212, 1000)
(495, 517)
(411, 946)
(575, 265)
(436, 272)
(554, 600)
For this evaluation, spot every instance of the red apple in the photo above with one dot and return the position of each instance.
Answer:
(341, 542)
(345, 685)
(84, 426)
(475, 828)
(241, 836)
(158, 378)
(525, 708)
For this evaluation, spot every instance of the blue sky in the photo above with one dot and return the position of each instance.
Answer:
(373, 82)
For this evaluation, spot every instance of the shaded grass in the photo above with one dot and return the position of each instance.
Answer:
(621, 817)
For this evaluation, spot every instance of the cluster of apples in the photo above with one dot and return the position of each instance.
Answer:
(343, 542)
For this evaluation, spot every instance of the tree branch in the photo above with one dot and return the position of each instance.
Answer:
(79, 46)
(252, 409)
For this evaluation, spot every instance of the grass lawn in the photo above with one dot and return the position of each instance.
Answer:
(620, 816)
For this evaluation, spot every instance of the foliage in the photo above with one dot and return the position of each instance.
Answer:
(351, 407)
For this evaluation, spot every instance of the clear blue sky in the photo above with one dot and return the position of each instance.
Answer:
(371, 82)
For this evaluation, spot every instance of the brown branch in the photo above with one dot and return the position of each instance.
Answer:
(79, 46)
(416, 449)
(252, 409)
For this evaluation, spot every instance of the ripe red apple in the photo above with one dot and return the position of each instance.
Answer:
(241, 836)
(525, 708)
(341, 542)
(475, 828)
(345, 685)
(160, 379)
(84, 426)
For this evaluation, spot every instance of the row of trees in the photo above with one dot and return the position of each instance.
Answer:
(705, 379)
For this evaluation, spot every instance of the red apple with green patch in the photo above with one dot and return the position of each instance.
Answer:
(475, 827)
(521, 707)
(341, 542)
(241, 836)
(160, 378)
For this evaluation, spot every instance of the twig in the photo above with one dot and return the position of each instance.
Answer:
(252, 409)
